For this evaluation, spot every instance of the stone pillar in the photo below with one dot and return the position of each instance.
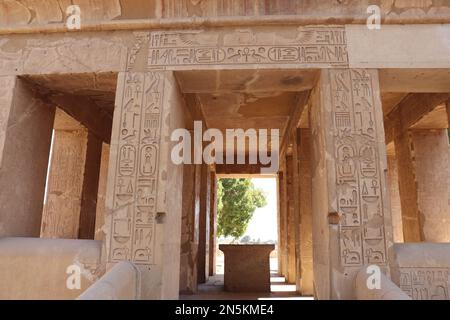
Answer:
(282, 247)
(203, 244)
(350, 200)
(101, 195)
(291, 227)
(306, 253)
(448, 123)
(448, 114)
(144, 194)
(213, 225)
(61, 214)
(279, 254)
(279, 225)
(432, 168)
(190, 228)
(26, 125)
(90, 187)
(186, 265)
(411, 219)
(296, 202)
(396, 207)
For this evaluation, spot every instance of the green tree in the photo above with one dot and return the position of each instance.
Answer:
(238, 200)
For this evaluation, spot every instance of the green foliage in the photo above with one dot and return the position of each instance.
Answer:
(238, 200)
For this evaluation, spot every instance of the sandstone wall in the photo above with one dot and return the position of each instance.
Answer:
(19, 13)
(37, 268)
(422, 270)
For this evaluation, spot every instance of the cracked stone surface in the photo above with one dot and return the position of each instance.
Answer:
(39, 12)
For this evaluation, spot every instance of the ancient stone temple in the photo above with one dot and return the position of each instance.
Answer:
(355, 94)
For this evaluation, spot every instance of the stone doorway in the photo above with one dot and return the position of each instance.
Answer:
(233, 99)
(399, 89)
(264, 220)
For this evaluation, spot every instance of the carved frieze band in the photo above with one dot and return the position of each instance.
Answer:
(426, 283)
(136, 172)
(358, 177)
(306, 46)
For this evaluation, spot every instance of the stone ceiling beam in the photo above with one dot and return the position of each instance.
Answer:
(246, 80)
(85, 111)
(410, 110)
(294, 119)
(195, 110)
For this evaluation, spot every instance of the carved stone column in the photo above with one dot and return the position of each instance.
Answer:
(280, 223)
(296, 207)
(306, 254)
(26, 125)
(204, 225)
(101, 194)
(89, 194)
(411, 219)
(448, 114)
(396, 207)
(291, 227)
(350, 200)
(61, 214)
(213, 225)
(283, 240)
(432, 167)
(144, 197)
(190, 228)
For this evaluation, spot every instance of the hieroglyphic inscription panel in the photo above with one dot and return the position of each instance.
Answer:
(358, 175)
(304, 46)
(136, 172)
(426, 283)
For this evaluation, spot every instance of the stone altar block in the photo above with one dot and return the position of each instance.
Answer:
(247, 267)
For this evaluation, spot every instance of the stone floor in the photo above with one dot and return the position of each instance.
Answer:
(214, 288)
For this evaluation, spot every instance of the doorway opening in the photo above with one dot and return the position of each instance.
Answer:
(236, 225)
(246, 222)
(76, 178)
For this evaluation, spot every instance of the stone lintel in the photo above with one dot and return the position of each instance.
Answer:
(410, 111)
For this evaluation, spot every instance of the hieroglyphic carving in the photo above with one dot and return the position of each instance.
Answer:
(133, 222)
(61, 212)
(426, 283)
(310, 46)
(141, 41)
(359, 185)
